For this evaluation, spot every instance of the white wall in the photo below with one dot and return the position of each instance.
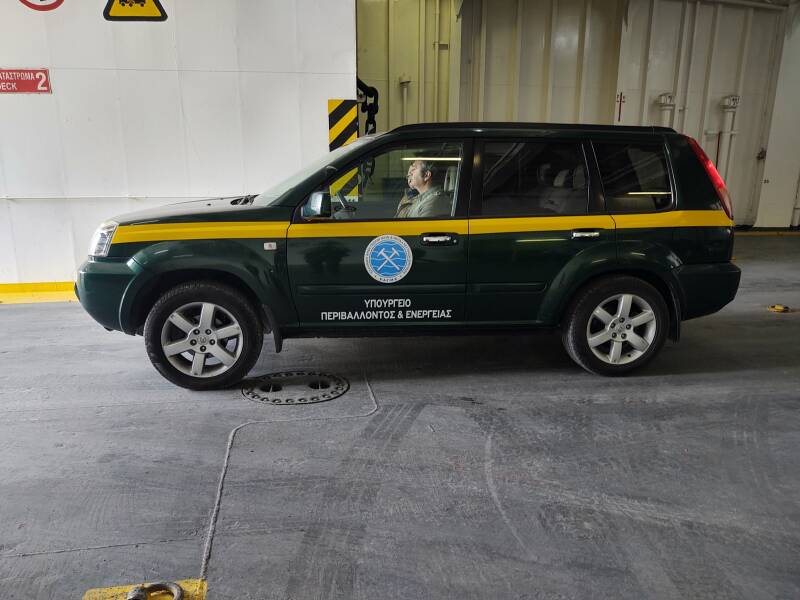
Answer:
(781, 183)
(567, 61)
(548, 61)
(223, 98)
(702, 52)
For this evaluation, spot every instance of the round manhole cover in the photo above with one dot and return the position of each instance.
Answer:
(295, 387)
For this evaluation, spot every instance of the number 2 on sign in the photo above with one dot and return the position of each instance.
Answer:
(42, 78)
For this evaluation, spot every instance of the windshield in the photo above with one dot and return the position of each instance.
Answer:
(269, 196)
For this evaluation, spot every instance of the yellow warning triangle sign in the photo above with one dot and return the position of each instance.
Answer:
(134, 10)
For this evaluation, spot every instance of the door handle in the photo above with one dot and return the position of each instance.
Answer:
(439, 239)
(585, 233)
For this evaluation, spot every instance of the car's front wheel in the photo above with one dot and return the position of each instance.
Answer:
(616, 325)
(203, 335)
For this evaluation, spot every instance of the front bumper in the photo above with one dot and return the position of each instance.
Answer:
(707, 288)
(100, 287)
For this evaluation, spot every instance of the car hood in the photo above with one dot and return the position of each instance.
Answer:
(238, 208)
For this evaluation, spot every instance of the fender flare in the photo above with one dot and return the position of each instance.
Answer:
(151, 264)
(652, 262)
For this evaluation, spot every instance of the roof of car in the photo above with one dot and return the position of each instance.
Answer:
(498, 126)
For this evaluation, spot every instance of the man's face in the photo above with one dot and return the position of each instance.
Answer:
(417, 177)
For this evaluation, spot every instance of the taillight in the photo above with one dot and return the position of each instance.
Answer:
(713, 174)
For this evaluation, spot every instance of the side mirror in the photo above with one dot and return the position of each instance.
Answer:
(318, 206)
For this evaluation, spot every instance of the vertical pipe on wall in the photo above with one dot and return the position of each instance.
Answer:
(775, 54)
(404, 83)
(743, 54)
(436, 61)
(454, 71)
(516, 69)
(646, 62)
(744, 51)
(391, 119)
(482, 63)
(547, 88)
(725, 140)
(679, 59)
(610, 107)
(796, 212)
(423, 34)
(709, 71)
(475, 60)
(692, 42)
(583, 42)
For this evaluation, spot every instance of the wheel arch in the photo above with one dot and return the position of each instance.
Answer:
(138, 302)
(667, 289)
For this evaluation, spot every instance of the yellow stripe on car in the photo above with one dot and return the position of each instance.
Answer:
(674, 218)
(376, 228)
(127, 234)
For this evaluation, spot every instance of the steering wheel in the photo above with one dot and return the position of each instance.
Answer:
(347, 210)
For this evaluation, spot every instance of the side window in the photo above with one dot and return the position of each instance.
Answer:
(534, 179)
(634, 177)
(409, 182)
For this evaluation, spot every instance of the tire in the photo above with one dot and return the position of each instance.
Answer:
(596, 342)
(175, 341)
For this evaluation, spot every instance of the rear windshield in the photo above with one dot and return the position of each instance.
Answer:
(634, 176)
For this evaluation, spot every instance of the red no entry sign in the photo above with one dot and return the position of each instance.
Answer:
(42, 4)
(25, 81)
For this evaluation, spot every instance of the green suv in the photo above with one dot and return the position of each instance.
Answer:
(612, 234)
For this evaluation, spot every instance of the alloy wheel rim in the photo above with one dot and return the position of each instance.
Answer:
(201, 339)
(621, 329)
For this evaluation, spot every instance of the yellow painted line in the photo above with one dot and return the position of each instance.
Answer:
(375, 228)
(350, 116)
(675, 218)
(35, 297)
(127, 234)
(29, 293)
(193, 589)
(43, 286)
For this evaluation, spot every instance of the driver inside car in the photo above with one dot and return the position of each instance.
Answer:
(430, 201)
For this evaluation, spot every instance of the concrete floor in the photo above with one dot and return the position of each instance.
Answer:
(471, 468)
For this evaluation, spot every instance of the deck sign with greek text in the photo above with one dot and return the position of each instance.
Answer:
(25, 81)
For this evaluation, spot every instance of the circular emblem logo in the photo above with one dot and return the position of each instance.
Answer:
(388, 258)
(42, 4)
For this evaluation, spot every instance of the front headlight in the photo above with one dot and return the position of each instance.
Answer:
(101, 240)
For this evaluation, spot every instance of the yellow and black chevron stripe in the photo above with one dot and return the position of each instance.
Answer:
(342, 122)
(343, 129)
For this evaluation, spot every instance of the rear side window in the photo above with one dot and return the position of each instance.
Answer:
(634, 177)
(534, 179)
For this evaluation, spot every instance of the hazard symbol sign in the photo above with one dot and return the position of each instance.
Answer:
(134, 10)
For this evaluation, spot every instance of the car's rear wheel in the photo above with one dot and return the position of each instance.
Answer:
(203, 335)
(616, 325)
